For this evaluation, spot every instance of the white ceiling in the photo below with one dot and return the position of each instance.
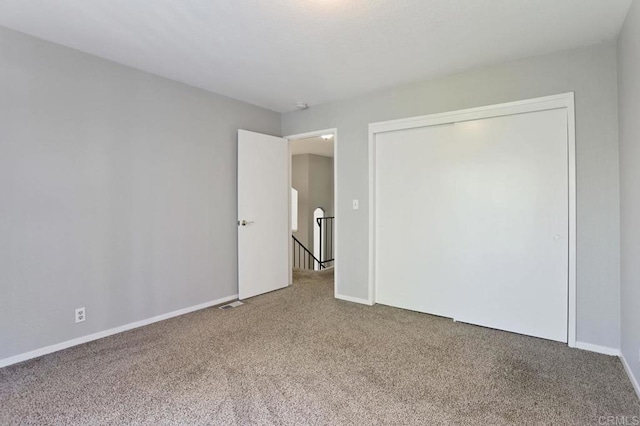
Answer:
(317, 146)
(273, 53)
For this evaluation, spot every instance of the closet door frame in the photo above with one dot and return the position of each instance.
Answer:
(561, 101)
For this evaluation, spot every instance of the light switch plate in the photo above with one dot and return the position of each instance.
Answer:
(355, 204)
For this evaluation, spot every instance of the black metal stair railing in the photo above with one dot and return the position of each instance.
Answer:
(326, 240)
(303, 258)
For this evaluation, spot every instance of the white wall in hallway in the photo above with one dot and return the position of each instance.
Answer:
(312, 177)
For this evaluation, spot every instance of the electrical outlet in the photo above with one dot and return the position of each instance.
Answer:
(80, 315)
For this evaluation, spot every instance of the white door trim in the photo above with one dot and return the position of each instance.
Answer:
(336, 223)
(565, 100)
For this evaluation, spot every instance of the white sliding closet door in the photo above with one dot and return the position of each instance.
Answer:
(414, 264)
(472, 221)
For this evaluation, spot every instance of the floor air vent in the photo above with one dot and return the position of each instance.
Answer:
(232, 305)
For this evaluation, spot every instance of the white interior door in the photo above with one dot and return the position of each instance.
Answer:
(472, 221)
(263, 213)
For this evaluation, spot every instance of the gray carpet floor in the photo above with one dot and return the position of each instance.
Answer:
(298, 356)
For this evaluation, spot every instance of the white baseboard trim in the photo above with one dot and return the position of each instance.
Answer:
(633, 379)
(597, 348)
(99, 335)
(353, 299)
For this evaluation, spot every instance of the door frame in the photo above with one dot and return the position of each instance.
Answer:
(560, 101)
(336, 222)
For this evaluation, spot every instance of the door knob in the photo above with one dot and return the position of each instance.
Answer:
(245, 222)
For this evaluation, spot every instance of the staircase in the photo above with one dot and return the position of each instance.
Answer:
(303, 258)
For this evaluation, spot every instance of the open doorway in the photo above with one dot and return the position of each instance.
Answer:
(313, 201)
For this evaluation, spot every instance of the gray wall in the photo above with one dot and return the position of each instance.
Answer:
(629, 109)
(117, 193)
(320, 191)
(312, 177)
(590, 72)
